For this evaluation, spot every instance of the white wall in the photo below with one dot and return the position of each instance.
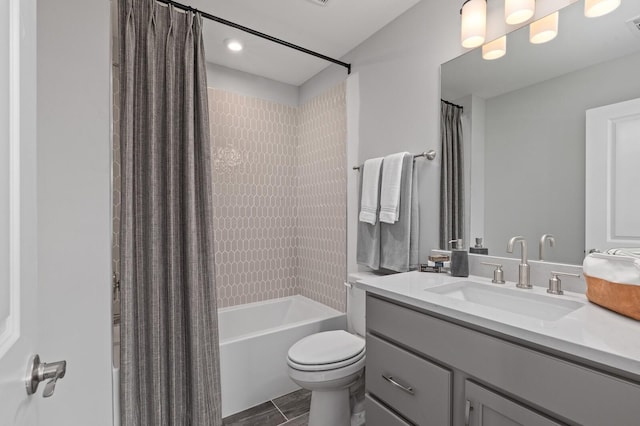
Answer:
(535, 173)
(74, 202)
(399, 76)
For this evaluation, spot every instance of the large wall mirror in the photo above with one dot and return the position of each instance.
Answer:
(524, 126)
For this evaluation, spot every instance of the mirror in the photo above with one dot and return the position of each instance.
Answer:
(524, 127)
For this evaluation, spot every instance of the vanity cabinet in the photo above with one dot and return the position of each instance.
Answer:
(426, 369)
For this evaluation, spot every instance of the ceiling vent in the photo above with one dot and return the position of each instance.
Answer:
(634, 25)
(320, 2)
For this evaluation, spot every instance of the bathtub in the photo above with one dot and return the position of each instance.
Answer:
(254, 340)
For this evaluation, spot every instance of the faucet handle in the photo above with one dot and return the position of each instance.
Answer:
(555, 285)
(498, 273)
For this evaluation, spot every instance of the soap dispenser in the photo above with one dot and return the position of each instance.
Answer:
(478, 249)
(459, 259)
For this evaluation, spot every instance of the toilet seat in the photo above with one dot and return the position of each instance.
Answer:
(326, 351)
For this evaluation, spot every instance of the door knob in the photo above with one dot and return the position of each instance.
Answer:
(40, 371)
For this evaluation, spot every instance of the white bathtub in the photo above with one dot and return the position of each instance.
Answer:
(254, 340)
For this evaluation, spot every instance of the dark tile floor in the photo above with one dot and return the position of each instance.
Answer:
(289, 410)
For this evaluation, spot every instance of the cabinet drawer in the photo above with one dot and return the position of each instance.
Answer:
(557, 387)
(378, 415)
(411, 385)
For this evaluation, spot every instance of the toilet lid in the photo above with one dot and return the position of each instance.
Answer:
(328, 347)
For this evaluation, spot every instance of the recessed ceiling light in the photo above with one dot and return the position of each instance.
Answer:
(233, 44)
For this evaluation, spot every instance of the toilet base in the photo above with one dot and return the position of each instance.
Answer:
(330, 408)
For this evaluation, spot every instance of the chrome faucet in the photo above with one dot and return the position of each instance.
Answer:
(543, 239)
(523, 269)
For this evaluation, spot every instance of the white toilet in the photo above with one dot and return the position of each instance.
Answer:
(328, 363)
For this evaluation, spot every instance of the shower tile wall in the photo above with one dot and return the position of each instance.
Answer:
(279, 197)
(322, 185)
(254, 173)
(116, 183)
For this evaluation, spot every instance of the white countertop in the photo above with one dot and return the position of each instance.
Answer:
(589, 333)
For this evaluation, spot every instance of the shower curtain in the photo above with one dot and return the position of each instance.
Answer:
(451, 175)
(169, 354)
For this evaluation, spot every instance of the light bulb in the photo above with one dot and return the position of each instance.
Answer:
(495, 49)
(595, 8)
(544, 30)
(518, 11)
(474, 23)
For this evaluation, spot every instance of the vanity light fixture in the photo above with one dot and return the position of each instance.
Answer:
(544, 30)
(495, 49)
(518, 11)
(233, 44)
(595, 8)
(474, 23)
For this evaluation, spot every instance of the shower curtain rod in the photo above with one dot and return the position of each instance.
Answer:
(257, 33)
(452, 104)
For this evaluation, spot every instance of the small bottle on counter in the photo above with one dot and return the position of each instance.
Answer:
(478, 249)
(459, 259)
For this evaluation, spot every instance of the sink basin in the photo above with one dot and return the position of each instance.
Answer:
(522, 302)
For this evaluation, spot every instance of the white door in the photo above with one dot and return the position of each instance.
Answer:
(612, 216)
(54, 209)
(18, 276)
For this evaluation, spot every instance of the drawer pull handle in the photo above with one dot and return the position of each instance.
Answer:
(394, 382)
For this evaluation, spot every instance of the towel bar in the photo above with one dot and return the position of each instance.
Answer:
(430, 155)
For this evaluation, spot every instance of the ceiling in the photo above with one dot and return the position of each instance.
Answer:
(332, 30)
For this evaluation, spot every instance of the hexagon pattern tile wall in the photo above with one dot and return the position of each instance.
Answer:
(279, 197)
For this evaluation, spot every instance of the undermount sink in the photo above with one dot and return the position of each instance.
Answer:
(522, 302)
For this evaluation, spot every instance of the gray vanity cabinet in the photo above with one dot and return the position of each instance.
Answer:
(425, 369)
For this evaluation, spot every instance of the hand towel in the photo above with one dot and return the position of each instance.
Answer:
(370, 193)
(622, 267)
(368, 242)
(399, 241)
(390, 186)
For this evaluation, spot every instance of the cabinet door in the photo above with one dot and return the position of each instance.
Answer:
(486, 408)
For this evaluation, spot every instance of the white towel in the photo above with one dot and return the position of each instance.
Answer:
(616, 268)
(369, 199)
(399, 245)
(390, 188)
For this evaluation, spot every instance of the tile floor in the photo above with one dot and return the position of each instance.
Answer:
(288, 410)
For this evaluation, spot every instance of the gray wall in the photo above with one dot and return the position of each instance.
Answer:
(251, 85)
(398, 70)
(535, 161)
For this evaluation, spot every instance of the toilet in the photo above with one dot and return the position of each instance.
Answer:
(328, 363)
